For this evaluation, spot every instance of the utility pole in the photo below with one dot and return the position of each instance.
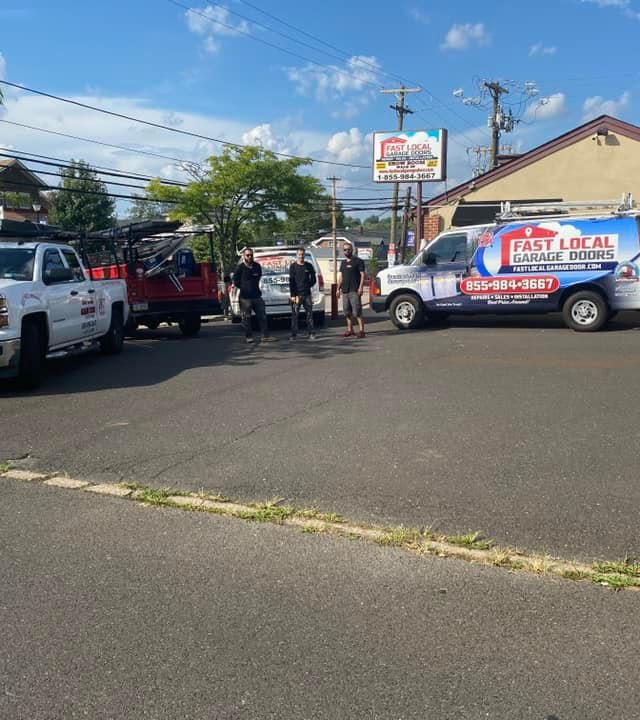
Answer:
(405, 225)
(401, 110)
(334, 284)
(498, 120)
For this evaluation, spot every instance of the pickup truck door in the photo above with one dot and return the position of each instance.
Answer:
(91, 297)
(65, 302)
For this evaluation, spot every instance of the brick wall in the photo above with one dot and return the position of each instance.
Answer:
(432, 225)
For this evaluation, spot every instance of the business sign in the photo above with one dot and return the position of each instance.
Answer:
(419, 156)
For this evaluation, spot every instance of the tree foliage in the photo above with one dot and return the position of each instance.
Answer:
(242, 190)
(143, 209)
(82, 203)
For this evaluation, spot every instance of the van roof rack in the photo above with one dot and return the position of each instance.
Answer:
(511, 211)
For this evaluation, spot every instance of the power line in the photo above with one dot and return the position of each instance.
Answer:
(68, 164)
(57, 188)
(347, 55)
(239, 31)
(98, 142)
(168, 128)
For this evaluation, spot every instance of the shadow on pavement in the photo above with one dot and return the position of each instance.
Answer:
(154, 356)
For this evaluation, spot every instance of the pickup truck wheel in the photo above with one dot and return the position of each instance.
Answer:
(407, 312)
(32, 356)
(111, 343)
(190, 325)
(585, 311)
(131, 328)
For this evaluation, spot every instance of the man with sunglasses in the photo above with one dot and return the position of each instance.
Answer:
(247, 279)
(351, 285)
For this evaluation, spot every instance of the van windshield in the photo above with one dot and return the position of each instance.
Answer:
(16, 263)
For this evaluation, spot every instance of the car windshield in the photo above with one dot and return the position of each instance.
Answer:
(16, 263)
(278, 263)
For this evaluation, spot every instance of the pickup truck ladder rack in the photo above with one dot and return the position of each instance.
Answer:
(516, 211)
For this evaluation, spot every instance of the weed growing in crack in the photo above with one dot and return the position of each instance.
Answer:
(622, 567)
(473, 540)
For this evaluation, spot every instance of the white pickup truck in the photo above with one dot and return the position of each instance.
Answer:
(50, 308)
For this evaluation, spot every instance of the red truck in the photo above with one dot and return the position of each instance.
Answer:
(164, 282)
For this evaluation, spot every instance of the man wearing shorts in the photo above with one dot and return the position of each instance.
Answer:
(351, 286)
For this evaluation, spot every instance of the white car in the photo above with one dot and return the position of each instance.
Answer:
(275, 263)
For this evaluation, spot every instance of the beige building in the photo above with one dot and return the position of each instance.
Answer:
(599, 160)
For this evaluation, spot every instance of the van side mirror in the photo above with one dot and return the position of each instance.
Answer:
(57, 275)
(430, 258)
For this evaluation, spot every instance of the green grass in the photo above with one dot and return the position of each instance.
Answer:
(473, 540)
(154, 496)
(622, 567)
(267, 512)
(617, 582)
(311, 529)
(312, 514)
(398, 536)
(4, 467)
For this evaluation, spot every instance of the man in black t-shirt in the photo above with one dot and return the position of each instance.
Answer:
(351, 286)
(302, 277)
(247, 279)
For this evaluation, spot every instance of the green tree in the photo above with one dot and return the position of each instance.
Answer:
(240, 189)
(82, 203)
(144, 209)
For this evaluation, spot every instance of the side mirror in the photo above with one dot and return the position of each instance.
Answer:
(430, 258)
(57, 275)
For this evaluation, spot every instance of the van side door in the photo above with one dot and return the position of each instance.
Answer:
(446, 262)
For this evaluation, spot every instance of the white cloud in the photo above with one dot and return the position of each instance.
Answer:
(623, 5)
(540, 49)
(462, 37)
(212, 22)
(608, 3)
(360, 73)
(419, 15)
(265, 136)
(287, 135)
(597, 105)
(548, 107)
(350, 146)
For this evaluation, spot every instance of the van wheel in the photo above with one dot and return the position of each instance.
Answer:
(32, 356)
(585, 311)
(407, 312)
(111, 343)
(190, 325)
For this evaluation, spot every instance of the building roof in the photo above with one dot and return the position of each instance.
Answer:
(542, 151)
(16, 177)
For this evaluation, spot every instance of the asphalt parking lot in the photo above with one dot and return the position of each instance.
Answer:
(516, 427)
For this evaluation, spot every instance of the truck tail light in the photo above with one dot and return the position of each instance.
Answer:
(374, 286)
(320, 283)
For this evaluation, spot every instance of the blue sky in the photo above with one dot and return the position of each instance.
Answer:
(201, 71)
